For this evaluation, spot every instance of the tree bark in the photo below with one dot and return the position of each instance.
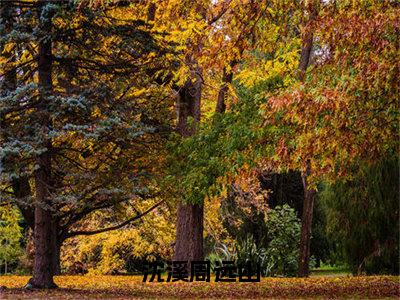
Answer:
(189, 232)
(44, 239)
(306, 224)
(45, 233)
(189, 225)
(307, 40)
(22, 190)
(223, 91)
(305, 55)
(188, 105)
(56, 258)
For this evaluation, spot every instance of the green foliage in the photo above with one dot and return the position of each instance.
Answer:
(247, 251)
(10, 236)
(276, 250)
(221, 146)
(363, 217)
(283, 236)
(321, 249)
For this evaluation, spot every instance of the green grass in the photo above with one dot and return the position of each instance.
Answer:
(327, 270)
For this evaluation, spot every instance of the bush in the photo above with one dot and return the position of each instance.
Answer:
(283, 235)
(277, 251)
(10, 236)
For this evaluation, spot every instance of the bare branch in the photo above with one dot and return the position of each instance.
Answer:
(138, 216)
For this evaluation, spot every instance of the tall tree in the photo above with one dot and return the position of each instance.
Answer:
(370, 199)
(309, 193)
(45, 231)
(78, 122)
(202, 52)
(190, 216)
(326, 114)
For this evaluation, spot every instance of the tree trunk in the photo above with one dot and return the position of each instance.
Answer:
(307, 39)
(188, 105)
(44, 240)
(305, 54)
(45, 233)
(306, 223)
(189, 232)
(189, 225)
(223, 91)
(56, 259)
(22, 190)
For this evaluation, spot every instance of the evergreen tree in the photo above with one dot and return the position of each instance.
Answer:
(363, 218)
(76, 118)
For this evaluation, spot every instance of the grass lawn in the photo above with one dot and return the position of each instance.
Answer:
(131, 287)
(330, 271)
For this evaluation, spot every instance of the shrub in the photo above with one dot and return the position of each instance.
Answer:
(277, 252)
(10, 236)
(283, 235)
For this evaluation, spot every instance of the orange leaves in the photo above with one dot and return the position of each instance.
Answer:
(282, 150)
(347, 108)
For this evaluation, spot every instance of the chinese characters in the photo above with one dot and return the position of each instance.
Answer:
(225, 271)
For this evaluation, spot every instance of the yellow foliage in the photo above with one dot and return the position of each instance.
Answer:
(108, 252)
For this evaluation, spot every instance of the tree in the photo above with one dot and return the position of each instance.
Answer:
(309, 192)
(331, 127)
(121, 251)
(363, 217)
(326, 114)
(203, 28)
(73, 125)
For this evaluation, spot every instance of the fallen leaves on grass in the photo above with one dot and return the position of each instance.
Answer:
(124, 287)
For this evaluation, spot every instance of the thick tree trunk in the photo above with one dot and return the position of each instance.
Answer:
(44, 240)
(188, 105)
(189, 225)
(189, 237)
(45, 233)
(190, 218)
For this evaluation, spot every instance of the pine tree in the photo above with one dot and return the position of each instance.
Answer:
(76, 119)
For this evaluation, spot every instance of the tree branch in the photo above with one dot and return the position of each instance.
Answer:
(224, 9)
(138, 216)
